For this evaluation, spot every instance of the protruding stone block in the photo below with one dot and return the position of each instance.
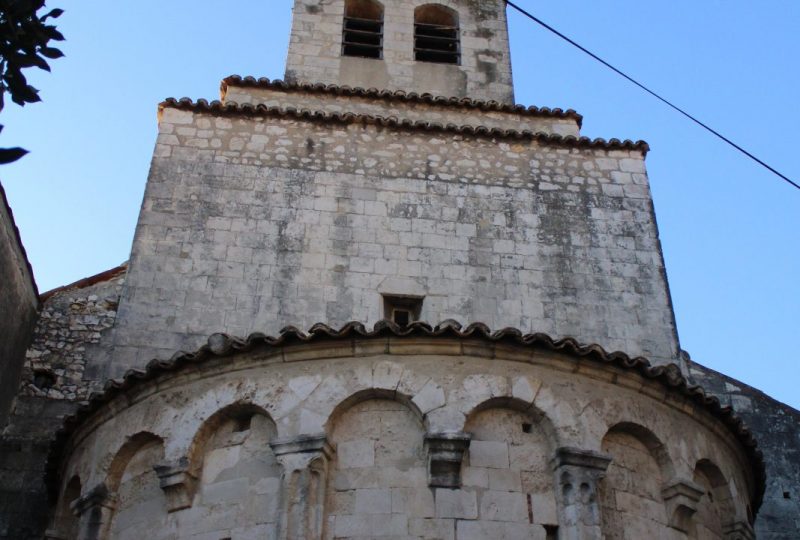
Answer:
(445, 456)
(177, 482)
(681, 498)
(95, 510)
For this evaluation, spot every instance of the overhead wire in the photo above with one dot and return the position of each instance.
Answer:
(653, 93)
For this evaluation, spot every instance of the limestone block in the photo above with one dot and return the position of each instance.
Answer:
(490, 454)
(356, 453)
(456, 503)
(481, 530)
(373, 501)
(503, 506)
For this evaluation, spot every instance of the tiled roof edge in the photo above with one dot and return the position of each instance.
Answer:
(231, 108)
(86, 282)
(397, 95)
(222, 345)
(19, 239)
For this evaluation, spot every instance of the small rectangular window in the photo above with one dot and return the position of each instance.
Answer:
(402, 310)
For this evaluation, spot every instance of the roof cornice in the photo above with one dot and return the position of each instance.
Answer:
(246, 109)
(397, 96)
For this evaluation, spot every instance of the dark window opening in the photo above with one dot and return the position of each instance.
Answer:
(44, 379)
(362, 29)
(402, 310)
(436, 35)
(551, 531)
(787, 495)
(527, 428)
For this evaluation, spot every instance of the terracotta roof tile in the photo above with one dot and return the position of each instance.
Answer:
(222, 345)
(397, 95)
(231, 108)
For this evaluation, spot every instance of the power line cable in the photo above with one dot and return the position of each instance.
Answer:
(654, 94)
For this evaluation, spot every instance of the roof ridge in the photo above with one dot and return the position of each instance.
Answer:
(397, 95)
(247, 109)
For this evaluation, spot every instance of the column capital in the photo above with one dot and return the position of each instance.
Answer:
(578, 473)
(445, 455)
(681, 498)
(582, 459)
(317, 445)
(97, 497)
(178, 483)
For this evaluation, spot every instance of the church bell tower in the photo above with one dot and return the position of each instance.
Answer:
(453, 48)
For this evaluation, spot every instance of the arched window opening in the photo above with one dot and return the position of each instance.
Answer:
(362, 31)
(436, 35)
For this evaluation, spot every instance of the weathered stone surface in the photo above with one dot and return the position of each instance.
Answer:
(777, 427)
(18, 305)
(315, 51)
(367, 475)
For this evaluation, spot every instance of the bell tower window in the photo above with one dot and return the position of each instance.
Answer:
(362, 29)
(436, 35)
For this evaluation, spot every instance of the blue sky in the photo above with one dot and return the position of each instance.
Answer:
(729, 229)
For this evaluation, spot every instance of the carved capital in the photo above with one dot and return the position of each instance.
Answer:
(738, 530)
(305, 469)
(445, 456)
(177, 482)
(298, 452)
(94, 510)
(577, 475)
(681, 498)
(99, 497)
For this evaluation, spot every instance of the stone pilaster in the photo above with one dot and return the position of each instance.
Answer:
(95, 511)
(305, 462)
(577, 475)
(445, 456)
(681, 498)
(177, 482)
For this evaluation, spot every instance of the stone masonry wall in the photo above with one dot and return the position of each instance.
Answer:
(55, 379)
(484, 73)
(19, 302)
(777, 428)
(346, 439)
(70, 322)
(252, 223)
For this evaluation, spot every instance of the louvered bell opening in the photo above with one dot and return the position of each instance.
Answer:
(362, 38)
(436, 43)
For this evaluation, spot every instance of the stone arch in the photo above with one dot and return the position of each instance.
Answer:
(631, 500)
(372, 394)
(235, 471)
(237, 417)
(65, 522)
(715, 509)
(126, 453)
(379, 464)
(508, 468)
(139, 500)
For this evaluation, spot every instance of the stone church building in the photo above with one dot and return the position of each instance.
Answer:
(378, 299)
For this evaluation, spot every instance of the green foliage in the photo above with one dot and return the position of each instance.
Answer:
(24, 43)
